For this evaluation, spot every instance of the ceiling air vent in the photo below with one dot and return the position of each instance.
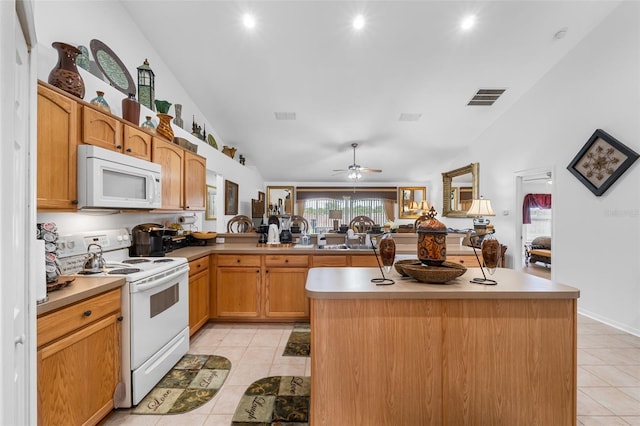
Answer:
(409, 116)
(486, 97)
(285, 115)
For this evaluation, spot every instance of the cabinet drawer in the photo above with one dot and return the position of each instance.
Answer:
(286, 260)
(468, 261)
(238, 260)
(198, 265)
(330, 260)
(364, 261)
(56, 324)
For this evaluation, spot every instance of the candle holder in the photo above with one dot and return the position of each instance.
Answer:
(490, 254)
(388, 250)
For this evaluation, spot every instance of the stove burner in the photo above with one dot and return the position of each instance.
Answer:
(162, 260)
(134, 261)
(124, 271)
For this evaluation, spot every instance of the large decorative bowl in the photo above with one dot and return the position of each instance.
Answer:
(435, 274)
(204, 235)
(399, 265)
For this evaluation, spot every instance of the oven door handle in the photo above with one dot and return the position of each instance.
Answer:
(155, 283)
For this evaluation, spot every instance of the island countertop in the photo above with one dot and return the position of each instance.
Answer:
(355, 283)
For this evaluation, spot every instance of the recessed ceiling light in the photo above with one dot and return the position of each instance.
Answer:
(358, 22)
(249, 21)
(468, 22)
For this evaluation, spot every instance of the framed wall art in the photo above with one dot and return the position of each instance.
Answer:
(601, 161)
(210, 212)
(230, 198)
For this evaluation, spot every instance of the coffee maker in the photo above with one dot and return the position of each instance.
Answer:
(148, 240)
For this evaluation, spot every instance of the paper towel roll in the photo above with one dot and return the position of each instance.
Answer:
(187, 220)
(40, 278)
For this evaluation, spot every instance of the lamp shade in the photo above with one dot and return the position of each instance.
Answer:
(335, 214)
(424, 206)
(481, 207)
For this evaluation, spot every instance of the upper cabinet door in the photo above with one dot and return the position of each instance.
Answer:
(101, 130)
(195, 177)
(58, 131)
(171, 157)
(137, 143)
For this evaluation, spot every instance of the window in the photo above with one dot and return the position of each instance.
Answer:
(540, 225)
(318, 209)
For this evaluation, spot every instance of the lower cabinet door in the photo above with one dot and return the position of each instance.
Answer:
(78, 375)
(237, 292)
(285, 295)
(198, 300)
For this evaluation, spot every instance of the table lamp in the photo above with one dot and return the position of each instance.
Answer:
(336, 215)
(490, 246)
(478, 210)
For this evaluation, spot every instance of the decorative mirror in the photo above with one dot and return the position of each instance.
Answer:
(459, 188)
(410, 201)
(279, 200)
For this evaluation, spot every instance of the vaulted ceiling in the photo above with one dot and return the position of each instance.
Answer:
(411, 60)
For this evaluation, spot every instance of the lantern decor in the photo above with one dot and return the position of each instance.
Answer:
(146, 86)
(432, 240)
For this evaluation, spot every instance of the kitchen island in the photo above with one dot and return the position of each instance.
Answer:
(452, 354)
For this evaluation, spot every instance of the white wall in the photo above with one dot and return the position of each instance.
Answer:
(77, 23)
(595, 247)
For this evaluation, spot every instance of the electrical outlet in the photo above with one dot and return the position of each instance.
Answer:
(505, 212)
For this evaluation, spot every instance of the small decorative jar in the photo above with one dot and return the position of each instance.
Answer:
(100, 103)
(432, 240)
(148, 125)
(387, 251)
(490, 253)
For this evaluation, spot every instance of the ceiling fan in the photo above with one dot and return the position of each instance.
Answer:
(354, 171)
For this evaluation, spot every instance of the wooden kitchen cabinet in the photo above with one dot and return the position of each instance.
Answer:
(285, 277)
(238, 280)
(171, 158)
(79, 361)
(366, 261)
(101, 130)
(465, 260)
(195, 179)
(198, 293)
(58, 138)
(136, 142)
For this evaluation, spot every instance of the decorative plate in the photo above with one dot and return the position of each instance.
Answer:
(112, 67)
(211, 141)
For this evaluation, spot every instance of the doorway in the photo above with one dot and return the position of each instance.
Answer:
(533, 181)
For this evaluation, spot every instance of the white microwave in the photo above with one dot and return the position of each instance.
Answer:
(111, 180)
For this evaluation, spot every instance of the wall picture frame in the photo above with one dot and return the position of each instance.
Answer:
(230, 198)
(601, 161)
(210, 197)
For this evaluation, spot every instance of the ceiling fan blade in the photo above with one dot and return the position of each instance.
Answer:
(368, 170)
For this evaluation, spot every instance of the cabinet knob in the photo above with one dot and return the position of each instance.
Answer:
(120, 318)
(87, 313)
(286, 261)
(119, 146)
(74, 201)
(128, 149)
(238, 260)
(461, 260)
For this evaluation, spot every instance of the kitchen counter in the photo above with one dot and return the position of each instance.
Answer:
(81, 288)
(355, 283)
(195, 252)
(441, 354)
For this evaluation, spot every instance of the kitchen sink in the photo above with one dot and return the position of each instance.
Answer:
(345, 247)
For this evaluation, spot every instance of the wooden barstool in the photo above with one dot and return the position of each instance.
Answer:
(240, 224)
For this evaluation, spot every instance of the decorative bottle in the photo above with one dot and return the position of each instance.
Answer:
(131, 109)
(148, 125)
(100, 103)
(65, 74)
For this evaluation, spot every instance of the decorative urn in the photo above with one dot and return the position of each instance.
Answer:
(432, 240)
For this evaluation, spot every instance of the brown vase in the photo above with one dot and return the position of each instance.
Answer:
(164, 127)
(65, 74)
(131, 109)
(387, 251)
(432, 240)
(490, 253)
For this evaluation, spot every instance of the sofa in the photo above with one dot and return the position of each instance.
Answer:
(538, 251)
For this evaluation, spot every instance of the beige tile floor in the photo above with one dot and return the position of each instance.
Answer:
(608, 373)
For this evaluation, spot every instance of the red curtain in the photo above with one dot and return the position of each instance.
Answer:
(541, 201)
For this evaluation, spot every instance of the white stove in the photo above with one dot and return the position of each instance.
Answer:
(155, 306)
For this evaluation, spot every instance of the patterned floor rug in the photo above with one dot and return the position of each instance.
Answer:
(193, 381)
(276, 400)
(299, 343)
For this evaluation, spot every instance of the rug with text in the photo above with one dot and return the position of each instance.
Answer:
(276, 400)
(192, 382)
(299, 343)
